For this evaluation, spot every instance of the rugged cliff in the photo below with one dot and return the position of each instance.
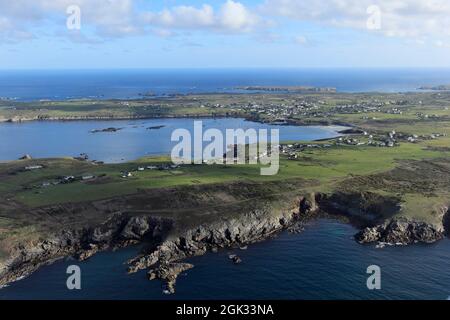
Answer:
(174, 224)
(170, 239)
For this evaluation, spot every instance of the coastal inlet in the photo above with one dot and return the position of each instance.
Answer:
(124, 140)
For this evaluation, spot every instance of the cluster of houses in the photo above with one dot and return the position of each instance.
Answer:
(63, 180)
(33, 167)
(422, 116)
(374, 106)
(393, 135)
(291, 150)
(284, 109)
(161, 167)
(390, 140)
(309, 107)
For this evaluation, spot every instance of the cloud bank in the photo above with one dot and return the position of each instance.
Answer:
(419, 20)
(21, 19)
(415, 19)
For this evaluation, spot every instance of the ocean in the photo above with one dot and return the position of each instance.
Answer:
(120, 84)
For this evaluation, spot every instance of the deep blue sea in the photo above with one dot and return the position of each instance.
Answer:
(120, 84)
(323, 262)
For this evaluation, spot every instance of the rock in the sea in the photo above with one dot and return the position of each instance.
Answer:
(234, 258)
(169, 271)
(369, 235)
(111, 129)
(400, 231)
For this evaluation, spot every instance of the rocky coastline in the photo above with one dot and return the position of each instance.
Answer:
(167, 241)
(168, 244)
(247, 117)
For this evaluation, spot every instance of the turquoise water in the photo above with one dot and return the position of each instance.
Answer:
(323, 262)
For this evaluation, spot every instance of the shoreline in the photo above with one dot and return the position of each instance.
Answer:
(336, 129)
(187, 116)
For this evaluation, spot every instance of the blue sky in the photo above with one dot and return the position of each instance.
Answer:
(225, 33)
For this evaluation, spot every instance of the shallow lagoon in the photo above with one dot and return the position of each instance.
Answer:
(46, 139)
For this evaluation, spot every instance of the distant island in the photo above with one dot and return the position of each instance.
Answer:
(290, 89)
(442, 87)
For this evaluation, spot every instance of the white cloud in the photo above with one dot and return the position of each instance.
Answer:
(163, 33)
(235, 16)
(232, 17)
(117, 18)
(107, 17)
(423, 21)
(182, 17)
(399, 18)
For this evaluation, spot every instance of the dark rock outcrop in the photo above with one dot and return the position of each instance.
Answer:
(400, 231)
(363, 209)
(308, 204)
(118, 231)
(249, 228)
(446, 223)
(236, 259)
(169, 272)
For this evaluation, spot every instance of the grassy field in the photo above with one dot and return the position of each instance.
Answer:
(320, 169)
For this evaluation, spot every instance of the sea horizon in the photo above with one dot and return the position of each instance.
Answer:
(65, 84)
